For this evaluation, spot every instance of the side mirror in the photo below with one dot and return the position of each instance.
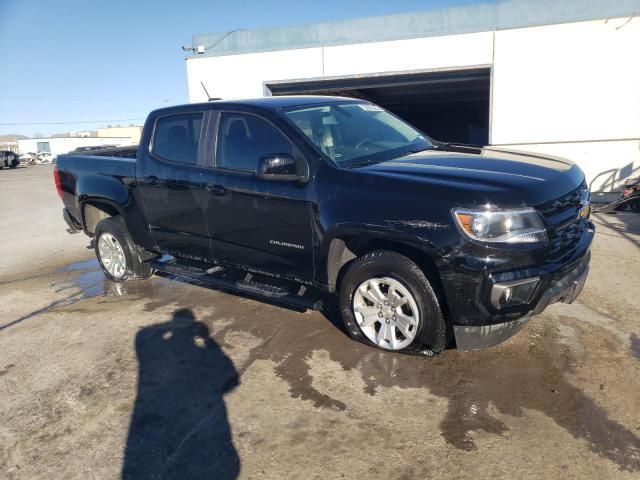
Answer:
(280, 166)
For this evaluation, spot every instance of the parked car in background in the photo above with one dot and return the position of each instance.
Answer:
(28, 157)
(294, 198)
(9, 159)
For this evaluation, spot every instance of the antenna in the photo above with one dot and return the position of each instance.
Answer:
(205, 91)
(209, 97)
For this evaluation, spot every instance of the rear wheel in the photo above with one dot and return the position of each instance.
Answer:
(117, 254)
(386, 301)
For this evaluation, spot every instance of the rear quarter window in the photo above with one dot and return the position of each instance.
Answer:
(176, 137)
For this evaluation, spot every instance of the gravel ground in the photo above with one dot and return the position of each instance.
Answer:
(165, 379)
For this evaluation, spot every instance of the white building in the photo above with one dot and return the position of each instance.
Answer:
(60, 145)
(556, 77)
(132, 131)
(9, 145)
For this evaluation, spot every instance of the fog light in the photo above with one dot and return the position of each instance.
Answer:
(507, 295)
(515, 292)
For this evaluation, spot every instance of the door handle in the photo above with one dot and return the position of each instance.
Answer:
(153, 180)
(216, 189)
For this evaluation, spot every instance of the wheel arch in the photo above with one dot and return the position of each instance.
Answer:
(344, 249)
(94, 210)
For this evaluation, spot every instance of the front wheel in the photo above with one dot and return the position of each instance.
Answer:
(117, 253)
(387, 301)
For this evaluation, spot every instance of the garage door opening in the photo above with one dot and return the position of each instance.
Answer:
(451, 106)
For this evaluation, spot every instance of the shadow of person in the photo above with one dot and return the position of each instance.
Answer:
(179, 426)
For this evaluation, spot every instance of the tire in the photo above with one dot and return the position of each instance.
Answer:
(117, 254)
(402, 276)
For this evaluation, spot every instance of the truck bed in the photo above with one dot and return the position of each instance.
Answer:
(113, 162)
(121, 152)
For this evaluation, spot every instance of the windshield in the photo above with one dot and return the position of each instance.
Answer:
(354, 133)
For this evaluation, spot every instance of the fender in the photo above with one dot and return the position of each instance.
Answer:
(101, 189)
(346, 241)
(119, 196)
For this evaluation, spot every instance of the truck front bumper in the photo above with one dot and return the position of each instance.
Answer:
(564, 287)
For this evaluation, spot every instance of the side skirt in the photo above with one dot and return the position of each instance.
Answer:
(271, 290)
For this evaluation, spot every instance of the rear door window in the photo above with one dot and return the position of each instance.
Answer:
(176, 137)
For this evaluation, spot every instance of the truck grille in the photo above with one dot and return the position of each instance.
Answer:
(566, 228)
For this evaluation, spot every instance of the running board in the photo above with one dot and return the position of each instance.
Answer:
(261, 286)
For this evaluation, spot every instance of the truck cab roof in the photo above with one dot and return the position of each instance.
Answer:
(271, 103)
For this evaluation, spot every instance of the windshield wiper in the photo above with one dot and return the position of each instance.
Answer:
(362, 164)
(404, 153)
(456, 145)
(409, 152)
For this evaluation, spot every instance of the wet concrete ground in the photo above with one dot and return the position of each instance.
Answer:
(166, 379)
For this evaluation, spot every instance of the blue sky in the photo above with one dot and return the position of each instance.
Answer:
(80, 61)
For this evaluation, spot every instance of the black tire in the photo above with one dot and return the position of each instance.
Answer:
(431, 337)
(135, 268)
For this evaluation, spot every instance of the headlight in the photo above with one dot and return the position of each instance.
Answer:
(502, 226)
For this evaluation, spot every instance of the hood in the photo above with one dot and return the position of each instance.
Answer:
(505, 178)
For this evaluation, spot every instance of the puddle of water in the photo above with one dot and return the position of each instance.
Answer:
(87, 281)
(511, 378)
(91, 264)
(527, 373)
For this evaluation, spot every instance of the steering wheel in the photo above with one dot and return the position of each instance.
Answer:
(363, 141)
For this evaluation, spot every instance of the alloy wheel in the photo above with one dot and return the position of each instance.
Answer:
(386, 312)
(112, 255)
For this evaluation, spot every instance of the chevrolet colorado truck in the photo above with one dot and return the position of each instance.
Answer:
(293, 198)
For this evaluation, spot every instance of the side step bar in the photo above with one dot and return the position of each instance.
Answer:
(261, 286)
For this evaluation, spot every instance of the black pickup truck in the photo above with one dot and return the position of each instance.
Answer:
(292, 198)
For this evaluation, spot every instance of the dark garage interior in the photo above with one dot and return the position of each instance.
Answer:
(451, 105)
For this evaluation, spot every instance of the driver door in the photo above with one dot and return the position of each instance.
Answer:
(262, 225)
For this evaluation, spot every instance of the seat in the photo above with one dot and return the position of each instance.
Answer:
(179, 147)
(237, 147)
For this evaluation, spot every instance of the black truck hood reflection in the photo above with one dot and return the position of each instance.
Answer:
(506, 178)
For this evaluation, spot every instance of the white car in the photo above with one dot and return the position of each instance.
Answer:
(27, 157)
(45, 157)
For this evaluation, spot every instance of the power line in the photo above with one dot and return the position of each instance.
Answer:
(71, 123)
(71, 99)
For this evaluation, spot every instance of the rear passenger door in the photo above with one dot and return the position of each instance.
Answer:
(261, 224)
(171, 184)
